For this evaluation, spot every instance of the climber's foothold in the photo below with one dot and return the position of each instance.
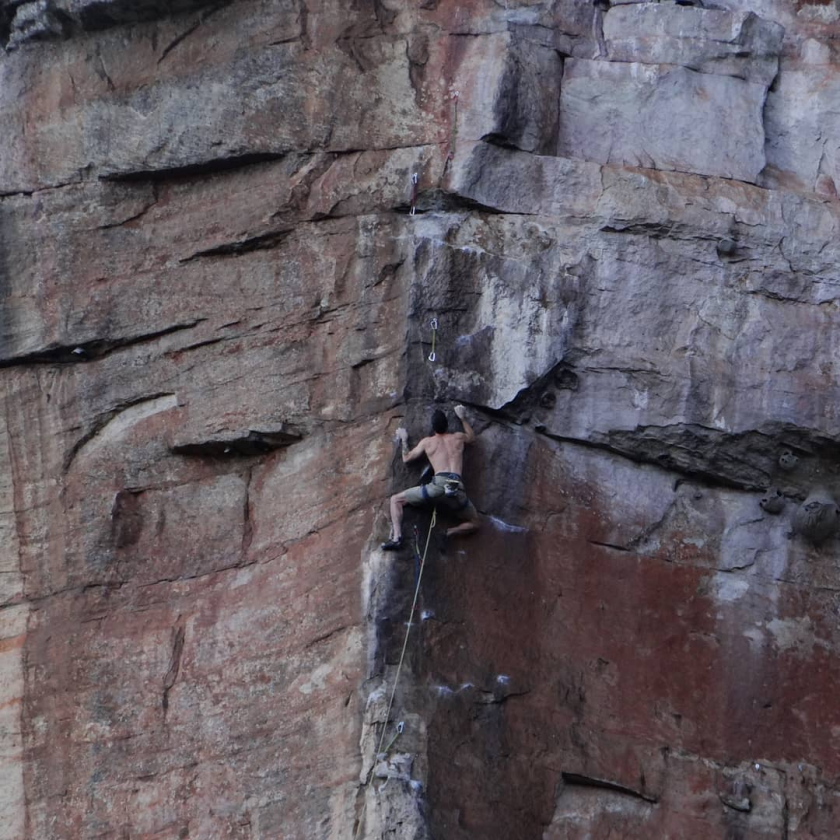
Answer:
(788, 460)
(816, 518)
(772, 501)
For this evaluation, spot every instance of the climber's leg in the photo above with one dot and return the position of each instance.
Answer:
(396, 505)
(412, 496)
(470, 524)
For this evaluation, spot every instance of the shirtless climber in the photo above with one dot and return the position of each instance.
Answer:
(445, 452)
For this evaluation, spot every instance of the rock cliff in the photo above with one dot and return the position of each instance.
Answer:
(225, 231)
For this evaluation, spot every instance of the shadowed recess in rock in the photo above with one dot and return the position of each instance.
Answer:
(251, 442)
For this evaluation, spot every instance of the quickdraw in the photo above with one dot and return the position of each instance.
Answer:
(413, 201)
(434, 326)
(400, 730)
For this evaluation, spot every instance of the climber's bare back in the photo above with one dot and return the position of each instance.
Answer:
(445, 452)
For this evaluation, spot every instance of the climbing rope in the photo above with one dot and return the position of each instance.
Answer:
(418, 577)
(400, 730)
(400, 726)
(416, 555)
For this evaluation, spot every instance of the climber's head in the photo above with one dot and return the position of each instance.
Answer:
(439, 422)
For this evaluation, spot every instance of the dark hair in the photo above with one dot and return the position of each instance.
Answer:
(439, 422)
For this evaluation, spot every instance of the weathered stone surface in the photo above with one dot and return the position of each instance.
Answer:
(662, 117)
(802, 114)
(13, 622)
(32, 22)
(706, 40)
(215, 310)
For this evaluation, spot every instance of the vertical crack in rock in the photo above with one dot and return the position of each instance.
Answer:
(178, 636)
(601, 8)
(248, 525)
(762, 177)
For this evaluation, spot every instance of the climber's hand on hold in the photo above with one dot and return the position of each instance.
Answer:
(469, 434)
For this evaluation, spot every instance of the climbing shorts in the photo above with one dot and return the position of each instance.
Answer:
(446, 490)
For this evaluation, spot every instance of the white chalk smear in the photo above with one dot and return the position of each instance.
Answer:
(503, 526)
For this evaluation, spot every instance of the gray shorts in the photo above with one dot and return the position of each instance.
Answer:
(435, 493)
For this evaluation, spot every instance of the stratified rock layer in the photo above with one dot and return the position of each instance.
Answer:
(225, 232)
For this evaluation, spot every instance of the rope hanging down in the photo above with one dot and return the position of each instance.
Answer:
(419, 578)
(400, 726)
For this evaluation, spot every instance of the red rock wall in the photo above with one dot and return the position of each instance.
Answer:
(215, 311)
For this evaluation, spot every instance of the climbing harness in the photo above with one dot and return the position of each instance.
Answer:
(434, 326)
(400, 725)
(452, 487)
(413, 200)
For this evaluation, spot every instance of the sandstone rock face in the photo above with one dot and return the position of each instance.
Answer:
(226, 230)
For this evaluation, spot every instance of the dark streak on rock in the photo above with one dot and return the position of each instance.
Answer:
(444, 202)
(247, 526)
(251, 442)
(194, 170)
(126, 518)
(488, 698)
(324, 636)
(134, 217)
(88, 351)
(579, 780)
(174, 664)
(261, 242)
(610, 545)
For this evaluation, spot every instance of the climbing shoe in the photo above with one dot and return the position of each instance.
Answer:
(392, 545)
